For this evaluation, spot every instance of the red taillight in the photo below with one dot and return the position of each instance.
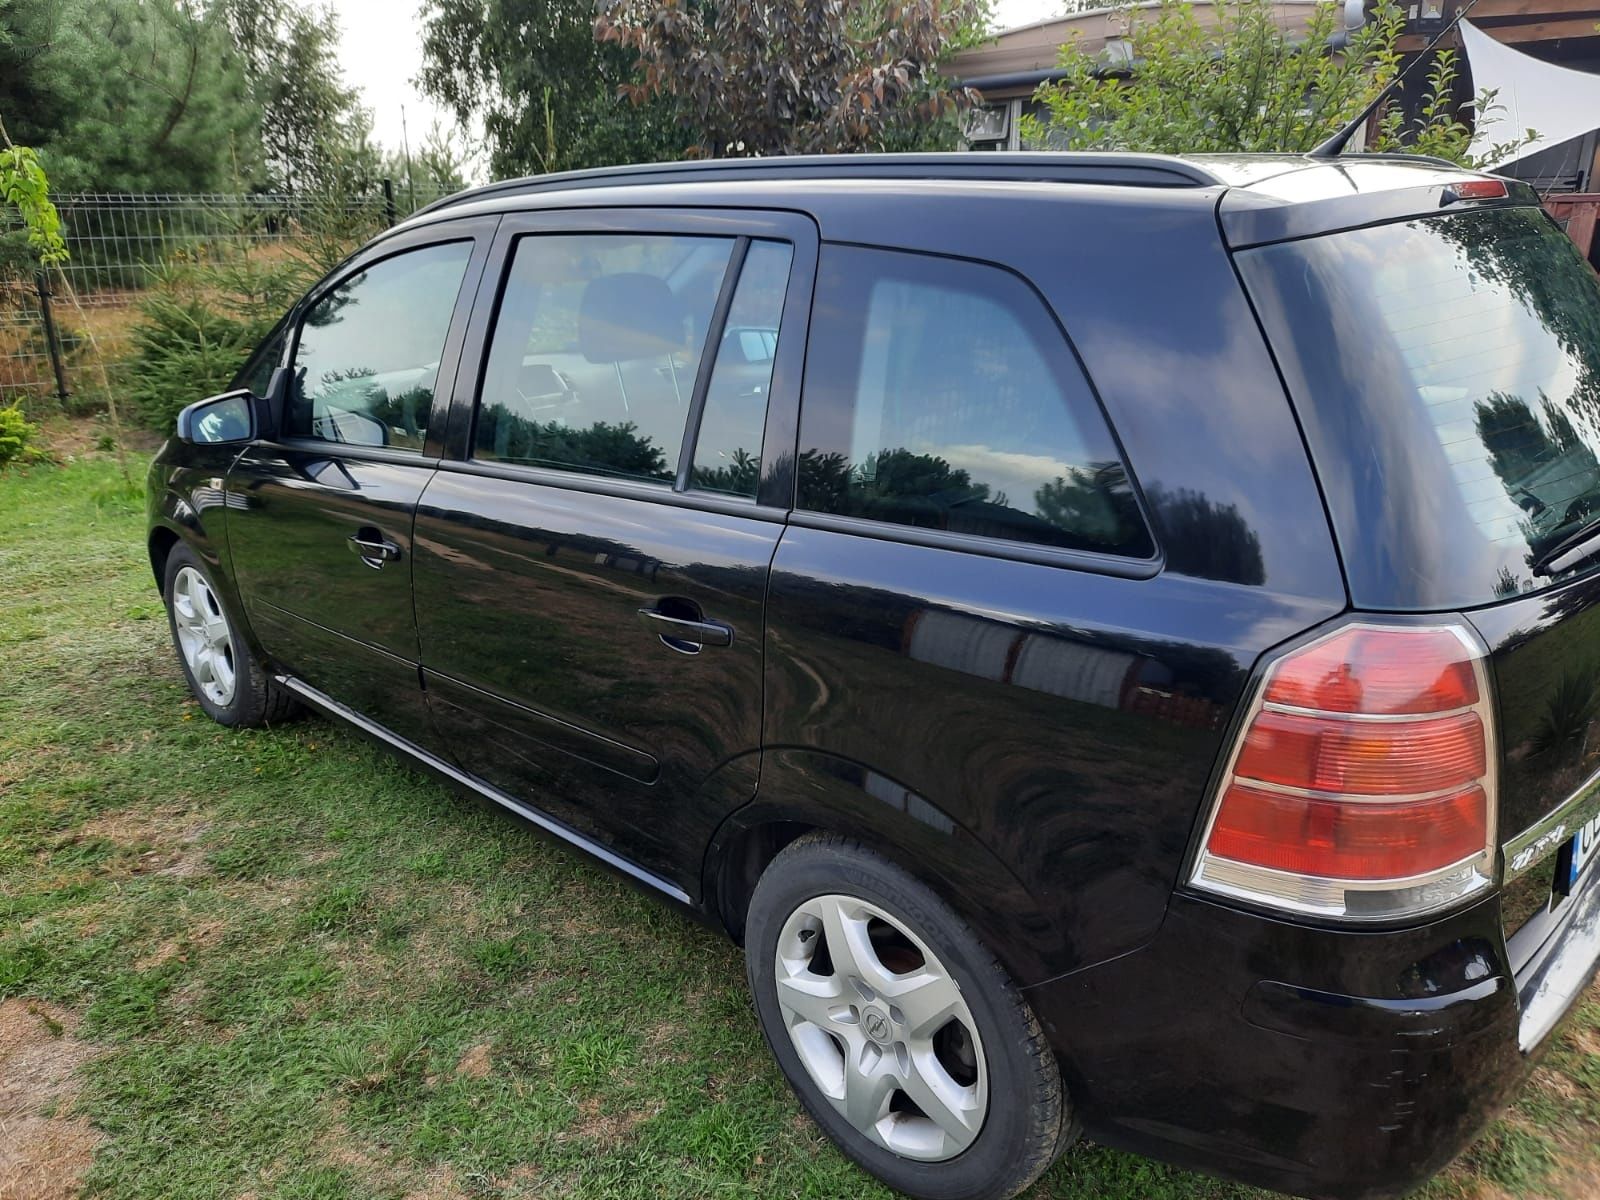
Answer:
(1362, 784)
(1348, 841)
(1381, 672)
(1476, 189)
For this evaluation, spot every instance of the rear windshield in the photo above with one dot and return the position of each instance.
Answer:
(1447, 373)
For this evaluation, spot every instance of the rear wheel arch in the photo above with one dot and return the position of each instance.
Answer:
(807, 791)
(736, 866)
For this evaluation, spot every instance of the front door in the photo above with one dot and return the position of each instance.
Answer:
(591, 568)
(319, 520)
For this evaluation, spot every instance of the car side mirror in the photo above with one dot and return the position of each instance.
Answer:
(230, 417)
(236, 416)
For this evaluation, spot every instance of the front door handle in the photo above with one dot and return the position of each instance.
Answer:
(685, 635)
(373, 548)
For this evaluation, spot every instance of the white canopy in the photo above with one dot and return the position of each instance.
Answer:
(1557, 103)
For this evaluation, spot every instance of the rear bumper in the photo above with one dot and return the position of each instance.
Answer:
(1555, 976)
(1322, 1063)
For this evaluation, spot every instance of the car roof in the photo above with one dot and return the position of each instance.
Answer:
(1258, 197)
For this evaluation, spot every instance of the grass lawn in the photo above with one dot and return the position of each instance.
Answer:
(279, 964)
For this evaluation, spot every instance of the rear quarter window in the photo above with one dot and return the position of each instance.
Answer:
(940, 394)
(1447, 373)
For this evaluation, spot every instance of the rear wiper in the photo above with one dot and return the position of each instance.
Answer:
(1569, 551)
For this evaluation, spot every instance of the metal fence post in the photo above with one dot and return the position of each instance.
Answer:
(52, 342)
(388, 200)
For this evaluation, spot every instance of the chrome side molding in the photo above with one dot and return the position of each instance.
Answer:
(330, 707)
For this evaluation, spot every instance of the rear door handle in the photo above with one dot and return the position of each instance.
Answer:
(685, 635)
(373, 548)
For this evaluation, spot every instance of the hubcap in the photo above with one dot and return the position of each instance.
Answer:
(204, 639)
(881, 1028)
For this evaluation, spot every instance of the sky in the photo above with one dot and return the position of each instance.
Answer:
(381, 51)
(1008, 14)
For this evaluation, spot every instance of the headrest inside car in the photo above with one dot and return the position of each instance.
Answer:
(629, 316)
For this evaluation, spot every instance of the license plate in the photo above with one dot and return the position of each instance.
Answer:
(1585, 849)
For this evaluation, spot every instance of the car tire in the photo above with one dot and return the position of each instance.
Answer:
(217, 663)
(853, 964)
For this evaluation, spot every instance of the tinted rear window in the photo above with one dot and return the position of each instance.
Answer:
(1447, 371)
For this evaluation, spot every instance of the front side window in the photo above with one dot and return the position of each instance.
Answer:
(595, 351)
(941, 394)
(367, 362)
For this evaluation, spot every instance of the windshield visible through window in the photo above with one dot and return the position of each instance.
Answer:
(1448, 374)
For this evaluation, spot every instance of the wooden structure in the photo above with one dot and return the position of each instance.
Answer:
(1579, 212)
(1009, 68)
(1565, 33)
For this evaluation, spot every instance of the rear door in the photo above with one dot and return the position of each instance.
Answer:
(591, 560)
(319, 520)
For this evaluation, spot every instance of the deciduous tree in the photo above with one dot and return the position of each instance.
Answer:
(796, 76)
(311, 120)
(544, 90)
(1246, 83)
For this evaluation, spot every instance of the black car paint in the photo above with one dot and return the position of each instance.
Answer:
(1188, 1029)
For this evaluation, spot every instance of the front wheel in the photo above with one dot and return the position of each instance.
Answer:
(903, 1037)
(217, 664)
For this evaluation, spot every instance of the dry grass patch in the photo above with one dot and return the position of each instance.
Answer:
(200, 936)
(610, 1127)
(376, 1167)
(163, 840)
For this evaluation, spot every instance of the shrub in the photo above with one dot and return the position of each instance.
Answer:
(209, 305)
(185, 348)
(17, 437)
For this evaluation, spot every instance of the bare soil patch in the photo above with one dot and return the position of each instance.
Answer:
(475, 1063)
(42, 1157)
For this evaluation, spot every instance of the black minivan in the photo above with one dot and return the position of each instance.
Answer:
(1116, 638)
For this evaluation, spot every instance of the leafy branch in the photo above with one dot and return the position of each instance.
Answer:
(26, 188)
(1241, 81)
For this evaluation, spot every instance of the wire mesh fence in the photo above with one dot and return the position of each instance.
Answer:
(120, 246)
(25, 361)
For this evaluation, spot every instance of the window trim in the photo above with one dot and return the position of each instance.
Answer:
(651, 491)
(716, 330)
(775, 489)
(286, 328)
(1103, 562)
(476, 230)
(1096, 562)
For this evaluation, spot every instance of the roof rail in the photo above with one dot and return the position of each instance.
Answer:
(1136, 170)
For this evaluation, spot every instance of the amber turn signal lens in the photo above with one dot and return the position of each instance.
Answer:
(1364, 758)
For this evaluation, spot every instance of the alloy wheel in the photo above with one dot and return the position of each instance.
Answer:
(204, 638)
(881, 1028)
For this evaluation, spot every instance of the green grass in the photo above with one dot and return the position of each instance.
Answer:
(308, 972)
